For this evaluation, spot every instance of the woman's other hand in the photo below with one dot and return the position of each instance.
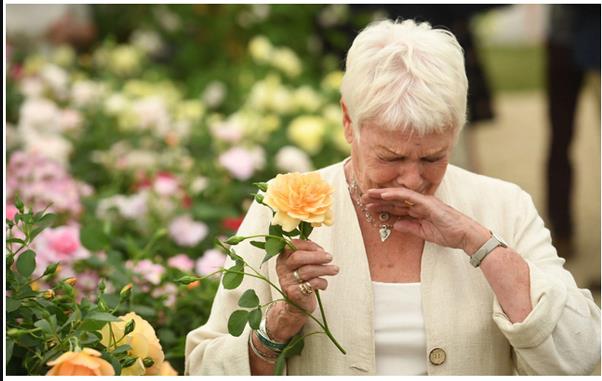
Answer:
(427, 217)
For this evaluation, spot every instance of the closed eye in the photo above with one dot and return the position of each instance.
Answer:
(431, 159)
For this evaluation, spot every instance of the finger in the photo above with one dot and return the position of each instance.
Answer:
(399, 194)
(318, 283)
(300, 258)
(315, 271)
(295, 290)
(379, 207)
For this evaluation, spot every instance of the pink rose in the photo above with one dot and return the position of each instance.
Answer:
(239, 162)
(165, 184)
(11, 211)
(151, 272)
(168, 290)
(187, 232)
(59, 244)
(211, 261)
(181, 262)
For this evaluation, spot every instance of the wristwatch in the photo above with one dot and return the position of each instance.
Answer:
(488, 247)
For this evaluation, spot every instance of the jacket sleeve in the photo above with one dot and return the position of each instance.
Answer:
(210, 349)
(561, 335)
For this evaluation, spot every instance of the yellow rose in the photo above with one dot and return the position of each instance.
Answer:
(287, 61)
(166, 369)
(142, 339)
(297, 197)
(84, 363)
(332, 81)
(308, 133)
(125, 60)
(260, 49)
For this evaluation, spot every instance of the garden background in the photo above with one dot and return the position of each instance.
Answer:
(144, 128)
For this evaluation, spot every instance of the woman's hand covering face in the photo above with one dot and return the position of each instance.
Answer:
(427, 217)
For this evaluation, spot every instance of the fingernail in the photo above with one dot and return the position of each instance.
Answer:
(328, 256)
(336, 269)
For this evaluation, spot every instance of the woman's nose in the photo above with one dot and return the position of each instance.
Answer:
(410, 176)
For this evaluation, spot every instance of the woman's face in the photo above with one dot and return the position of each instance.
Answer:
(386, 159)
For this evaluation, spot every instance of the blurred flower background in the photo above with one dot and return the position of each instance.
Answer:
(145, 141)
(144, 127)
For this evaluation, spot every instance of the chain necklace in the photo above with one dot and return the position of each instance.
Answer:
(384, 229)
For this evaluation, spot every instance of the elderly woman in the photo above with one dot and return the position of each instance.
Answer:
(431, 269)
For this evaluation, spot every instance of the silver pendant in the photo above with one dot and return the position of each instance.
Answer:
(385, 232)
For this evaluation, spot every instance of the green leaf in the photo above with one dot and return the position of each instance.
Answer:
(46, 220)
(249, 299)
(273, 247)
(232, 280)
(44, 326)
(92, 325)
(12, 304)
(294, 347)
(101, 316)
(292, 233)
(258, 244)
(93, 237)
(114, 362)
(237, 322)
(89, 338)
(10, 343)
(306, 229)
(26, 263)
(15, 240)
(35, 232)
(255, 318)
(121, 349)
(276, 230)
(143, 310)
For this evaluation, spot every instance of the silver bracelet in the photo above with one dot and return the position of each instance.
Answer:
(258, 353)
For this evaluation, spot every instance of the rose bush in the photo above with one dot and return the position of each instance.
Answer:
(145, 162)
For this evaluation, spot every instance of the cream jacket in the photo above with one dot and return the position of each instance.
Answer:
(465, 325)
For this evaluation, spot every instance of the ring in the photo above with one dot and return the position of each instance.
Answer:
(306, 288)
(297, 277)
(408, 203)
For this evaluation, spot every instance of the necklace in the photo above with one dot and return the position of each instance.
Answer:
(384, 229)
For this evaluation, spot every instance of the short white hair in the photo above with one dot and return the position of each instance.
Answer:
(407, 76)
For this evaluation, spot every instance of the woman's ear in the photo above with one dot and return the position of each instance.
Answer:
(347, 123)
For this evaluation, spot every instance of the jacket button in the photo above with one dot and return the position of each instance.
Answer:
(437, 356)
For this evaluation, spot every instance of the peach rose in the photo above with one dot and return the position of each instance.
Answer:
(297, 197)
(84, 363)
(142, 339)
(167, 370)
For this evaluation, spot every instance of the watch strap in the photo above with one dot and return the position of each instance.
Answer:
(488, 247)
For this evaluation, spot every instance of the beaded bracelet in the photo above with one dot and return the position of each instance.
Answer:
(265, 357)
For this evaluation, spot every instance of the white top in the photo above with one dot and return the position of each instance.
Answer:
(400, 339)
